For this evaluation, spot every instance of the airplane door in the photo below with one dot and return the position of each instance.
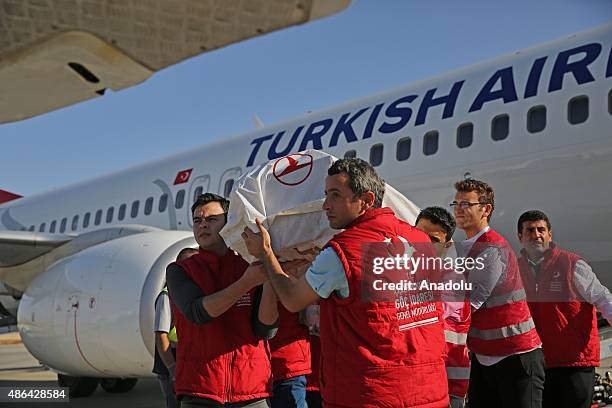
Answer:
(199, 185)
(226, 183)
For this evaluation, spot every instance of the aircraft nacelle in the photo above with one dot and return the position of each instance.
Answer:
(91, 314)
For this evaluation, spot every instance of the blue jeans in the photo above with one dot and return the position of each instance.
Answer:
(290, 393)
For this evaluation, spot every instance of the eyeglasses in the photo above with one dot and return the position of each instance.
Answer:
(464, 205)
(211, 218)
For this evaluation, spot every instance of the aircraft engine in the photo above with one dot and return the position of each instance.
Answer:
(91, 314)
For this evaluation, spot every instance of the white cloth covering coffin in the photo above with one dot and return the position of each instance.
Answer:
(287, 195)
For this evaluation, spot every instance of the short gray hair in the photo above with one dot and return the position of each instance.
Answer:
(362, 178)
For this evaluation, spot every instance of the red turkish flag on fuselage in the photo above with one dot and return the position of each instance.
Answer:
(182, 176)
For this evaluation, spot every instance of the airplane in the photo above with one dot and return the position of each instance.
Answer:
(89, 259)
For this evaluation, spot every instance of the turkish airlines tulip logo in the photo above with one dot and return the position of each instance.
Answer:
(293, 169)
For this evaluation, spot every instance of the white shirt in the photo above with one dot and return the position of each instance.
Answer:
(163, 316)
(484, 280)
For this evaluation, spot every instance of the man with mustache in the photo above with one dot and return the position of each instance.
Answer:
(563, 293)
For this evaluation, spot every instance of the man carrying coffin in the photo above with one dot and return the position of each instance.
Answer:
(369, 357)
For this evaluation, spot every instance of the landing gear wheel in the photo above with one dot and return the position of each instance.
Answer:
(117, 385)
(78, 386)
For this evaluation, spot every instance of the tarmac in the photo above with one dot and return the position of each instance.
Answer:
(19, 369)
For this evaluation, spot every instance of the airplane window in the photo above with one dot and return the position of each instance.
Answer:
(98, 217)
(109, 214)
(52, 226)
(403, 149)
(351, 154)
(32, 227)
(197, 193)
(148, 206)
(63, 225)
(180, 198)
(228, 187)
(610, 102)
(500, 127)
(376, 155)
(163, 202)
(465, 135)
(42, 227)
(430, 143)
(86, 218)
(121, 213)
(578, 110)
(536, 119)
(134, 212)
(75, 223)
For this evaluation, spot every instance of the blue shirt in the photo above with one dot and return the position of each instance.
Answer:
(326, 275)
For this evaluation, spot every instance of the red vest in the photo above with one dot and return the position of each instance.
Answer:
(312, 379)
(503, 325)
(222, 359)
(566, 325)
(290, 347)
(457, 359)
(370, 357)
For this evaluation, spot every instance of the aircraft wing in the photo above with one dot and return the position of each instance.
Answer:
(57, 53)
(17, 247)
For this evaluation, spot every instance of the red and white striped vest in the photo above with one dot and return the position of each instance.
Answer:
(502, 326)
(457, 361)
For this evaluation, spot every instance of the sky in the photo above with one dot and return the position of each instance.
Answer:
(372, 46)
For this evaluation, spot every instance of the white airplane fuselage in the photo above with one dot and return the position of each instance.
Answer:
(541, 136)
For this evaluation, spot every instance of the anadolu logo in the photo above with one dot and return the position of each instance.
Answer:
(293, 169)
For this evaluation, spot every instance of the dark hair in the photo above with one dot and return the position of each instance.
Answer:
(441, 217)
(530, 216)
(362, 178)
(484, 191)
(186, 253)
(210, 198)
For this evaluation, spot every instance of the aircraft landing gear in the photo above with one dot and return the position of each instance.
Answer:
(78, 386)
(117, 385)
